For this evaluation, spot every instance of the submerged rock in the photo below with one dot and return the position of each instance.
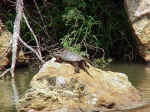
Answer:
(139, 16)
(57, 88)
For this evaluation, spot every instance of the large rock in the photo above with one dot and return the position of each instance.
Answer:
(57, 88)
(5, 53)
(5, 37)
(139, 16)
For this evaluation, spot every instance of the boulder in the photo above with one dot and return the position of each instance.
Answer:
(5, 37)
(138, 12)
(5, 53)
(57, 88)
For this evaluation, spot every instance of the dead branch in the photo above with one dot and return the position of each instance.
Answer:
(29, 47)
(16, 37)
(16, 34)
(45, 30)
(33, 34)
(5, 72)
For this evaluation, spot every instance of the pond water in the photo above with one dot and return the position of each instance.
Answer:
(138, 74)
(9, 92)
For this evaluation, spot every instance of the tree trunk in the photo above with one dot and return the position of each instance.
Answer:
(16, 34)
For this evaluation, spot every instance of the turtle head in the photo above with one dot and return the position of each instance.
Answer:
(58, 53)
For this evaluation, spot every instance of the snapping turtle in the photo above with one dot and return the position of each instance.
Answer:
(71, 57)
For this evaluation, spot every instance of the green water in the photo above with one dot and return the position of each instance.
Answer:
(138, 74)
(10, 92)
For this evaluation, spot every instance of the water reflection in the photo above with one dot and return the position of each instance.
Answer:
(11, 89)
(15, 93)
(139, 75)
(6, 103)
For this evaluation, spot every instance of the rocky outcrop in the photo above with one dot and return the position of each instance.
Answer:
(5, 55)
(57, 88)
(5, 37)
(139, 16)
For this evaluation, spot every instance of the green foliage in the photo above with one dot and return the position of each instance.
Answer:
(10, 19)
(83, 26)
(98, 24)
(101, 62)
(25, 33)
(79, 29)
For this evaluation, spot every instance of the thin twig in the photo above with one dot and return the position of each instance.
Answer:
(7, 70)
(34, 51)
(12, 2)
(32, 34)
(45, 30)
(103, 51)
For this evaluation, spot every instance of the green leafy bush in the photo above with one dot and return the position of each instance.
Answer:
(97, 29)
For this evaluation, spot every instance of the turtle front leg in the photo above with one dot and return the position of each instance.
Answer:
(77, 68)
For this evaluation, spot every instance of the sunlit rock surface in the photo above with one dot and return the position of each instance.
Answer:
(139, 16)
(5, 37)
(58, 88)
(5, 53)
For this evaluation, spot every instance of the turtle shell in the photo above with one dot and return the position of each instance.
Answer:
(68, 56)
